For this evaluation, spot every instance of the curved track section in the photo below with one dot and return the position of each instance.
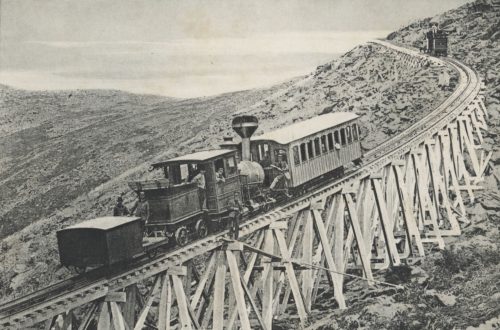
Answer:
(72, 293)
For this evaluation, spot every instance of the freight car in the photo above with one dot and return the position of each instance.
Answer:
(238, 181)
(103, 241)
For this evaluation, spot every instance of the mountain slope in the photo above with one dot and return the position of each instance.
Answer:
(456, 288)
(83, 158)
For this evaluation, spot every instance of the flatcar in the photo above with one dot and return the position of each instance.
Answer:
(238, 181)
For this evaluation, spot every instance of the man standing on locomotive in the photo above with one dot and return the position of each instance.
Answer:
(201, 183)
(284, 175)
(141, 208)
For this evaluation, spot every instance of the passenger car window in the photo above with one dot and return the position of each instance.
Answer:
(323, 144)
(330, 141)
(317, 148)
(355, 132)
(342, 136)
(348, 133)
(303, 152)
(337, 139)
(310, 150)
(296, 156)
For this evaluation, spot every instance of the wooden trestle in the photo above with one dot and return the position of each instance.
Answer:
(380, 219)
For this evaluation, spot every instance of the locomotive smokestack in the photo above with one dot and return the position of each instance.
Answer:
(245, 126)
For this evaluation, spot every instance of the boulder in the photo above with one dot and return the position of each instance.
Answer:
(446, 300)
(491, 201)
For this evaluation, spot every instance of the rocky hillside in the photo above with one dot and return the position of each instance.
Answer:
(56, 146)
(76, 150)
(457, 288)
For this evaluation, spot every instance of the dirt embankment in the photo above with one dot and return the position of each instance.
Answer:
(76, 169)
(458, 288)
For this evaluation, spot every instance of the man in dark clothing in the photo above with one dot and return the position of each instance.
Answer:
(120, 209)
(141, 208)
(235, 216)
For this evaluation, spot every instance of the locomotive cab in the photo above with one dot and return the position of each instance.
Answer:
(221, 177)
(178, 206)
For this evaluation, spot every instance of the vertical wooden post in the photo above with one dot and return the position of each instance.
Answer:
(219, 292)
(238, 290)
(267, 279)
(307, 256)
(165, 305)
(129, 306)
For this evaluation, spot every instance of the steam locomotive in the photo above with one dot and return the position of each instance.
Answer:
(257, 173)
(436, 41)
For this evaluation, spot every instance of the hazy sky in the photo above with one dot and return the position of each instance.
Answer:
(186, 47)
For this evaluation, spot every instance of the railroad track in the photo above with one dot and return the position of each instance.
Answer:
(61, 297)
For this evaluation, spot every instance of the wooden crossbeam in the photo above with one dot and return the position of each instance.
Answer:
(149, 301)
(438, 187)
(294, 286)
(412, 231)
(238, 290)
(182, 304)
(363, 252)
(385, 222)
(337, 279)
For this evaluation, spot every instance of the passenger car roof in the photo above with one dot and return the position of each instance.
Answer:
(196, 157)
(103, 223)
(300, 130)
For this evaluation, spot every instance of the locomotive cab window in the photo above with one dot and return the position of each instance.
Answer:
(231, 166)
(303, 151)
(355, 132)
(184, 172)
(263, 151)
(219, 163)
(342, 136)
(296, 155)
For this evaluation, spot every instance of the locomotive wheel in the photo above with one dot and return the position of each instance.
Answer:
(80, 269)
(152, 253)
(201, 228)
(181, 236)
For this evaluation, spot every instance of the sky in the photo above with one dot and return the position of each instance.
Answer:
(186, 48)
